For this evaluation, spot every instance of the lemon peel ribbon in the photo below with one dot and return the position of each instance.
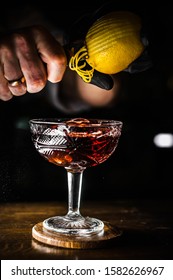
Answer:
(82, 54)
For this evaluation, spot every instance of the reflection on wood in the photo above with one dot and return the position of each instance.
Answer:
(146, 225)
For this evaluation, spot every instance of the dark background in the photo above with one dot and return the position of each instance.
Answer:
(138, 169)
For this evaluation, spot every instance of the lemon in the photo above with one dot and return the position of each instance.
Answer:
(111, 44)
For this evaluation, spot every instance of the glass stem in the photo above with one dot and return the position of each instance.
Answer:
(74, 194)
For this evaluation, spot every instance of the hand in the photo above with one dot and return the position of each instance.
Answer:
(28, 58)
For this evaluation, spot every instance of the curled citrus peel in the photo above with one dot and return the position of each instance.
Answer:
(79, 57)
(112, 43)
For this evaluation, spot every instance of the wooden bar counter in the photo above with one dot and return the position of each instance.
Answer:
(146, 225)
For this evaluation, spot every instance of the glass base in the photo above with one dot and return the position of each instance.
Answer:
(77, 226)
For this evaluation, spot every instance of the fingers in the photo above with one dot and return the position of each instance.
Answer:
(17, 87)
(11, 72)
(5, 93)
(31, 65)
(51, 53)
(31, 53)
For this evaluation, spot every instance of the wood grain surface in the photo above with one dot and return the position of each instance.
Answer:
(147, 228)
(78, 242)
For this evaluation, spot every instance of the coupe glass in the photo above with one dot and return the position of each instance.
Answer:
(75, 144)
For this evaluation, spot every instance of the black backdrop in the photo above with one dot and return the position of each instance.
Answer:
(137, 168)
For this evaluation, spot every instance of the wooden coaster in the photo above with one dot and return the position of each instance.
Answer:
(75, 242)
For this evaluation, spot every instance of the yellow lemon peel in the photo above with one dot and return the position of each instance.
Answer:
(112, 43)
(74, 65)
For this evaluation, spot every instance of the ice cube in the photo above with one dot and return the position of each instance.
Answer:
(78, 122)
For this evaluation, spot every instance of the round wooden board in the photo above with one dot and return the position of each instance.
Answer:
(75, 242)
